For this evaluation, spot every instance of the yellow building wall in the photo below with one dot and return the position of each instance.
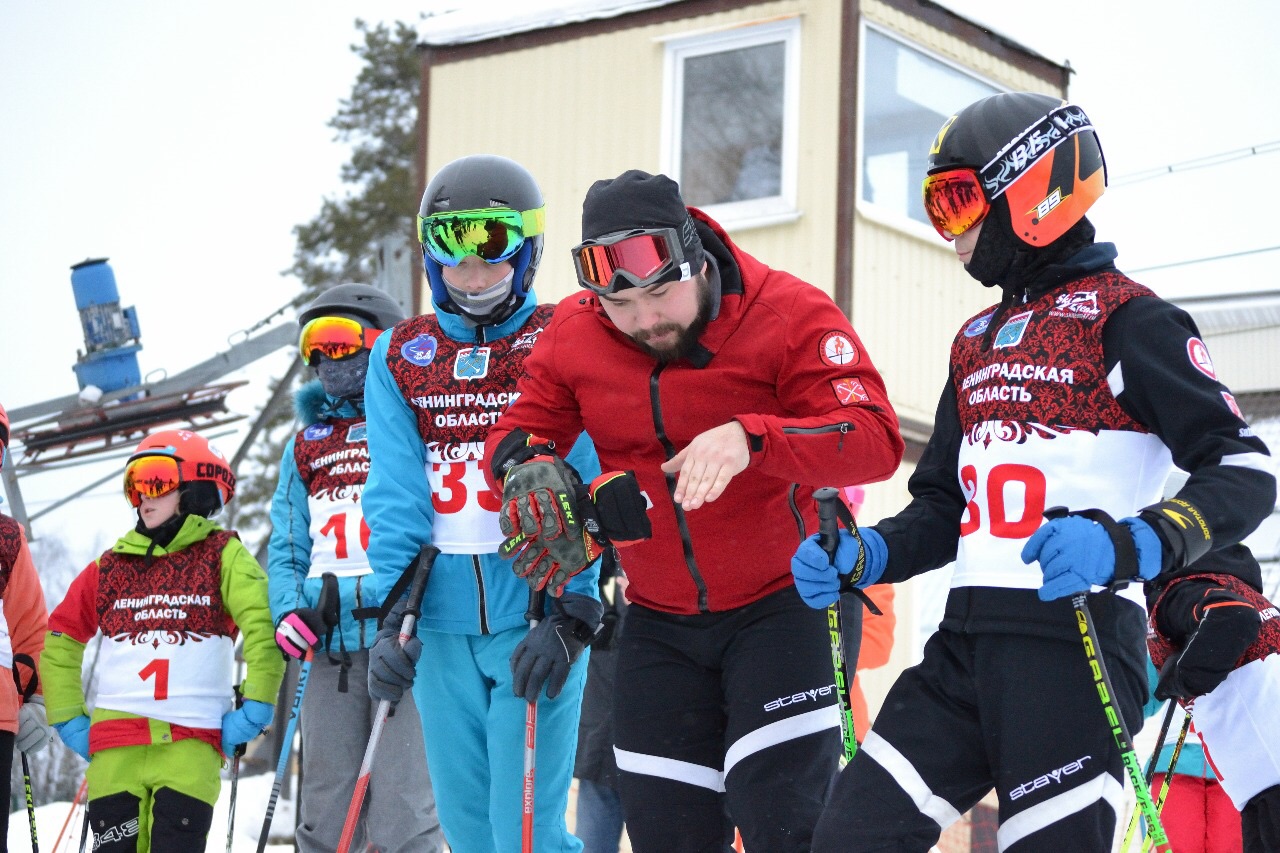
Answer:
(575, 112)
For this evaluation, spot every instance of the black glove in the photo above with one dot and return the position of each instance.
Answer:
(391, 665)
(553, 645)
(1228, 625)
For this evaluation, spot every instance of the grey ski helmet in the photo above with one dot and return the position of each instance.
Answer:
(363, 302)
(477, 182)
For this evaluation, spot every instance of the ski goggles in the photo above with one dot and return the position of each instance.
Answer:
(334, 337)
(640, 258)
(151, 477)
(493, 234)
(954, 201)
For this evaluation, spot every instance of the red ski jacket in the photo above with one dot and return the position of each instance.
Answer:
(782, 360)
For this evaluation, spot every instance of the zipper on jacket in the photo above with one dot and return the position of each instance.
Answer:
(484, 607)
(686, 543)
(843, 428)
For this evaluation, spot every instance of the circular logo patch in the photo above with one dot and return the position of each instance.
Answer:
(837, 350)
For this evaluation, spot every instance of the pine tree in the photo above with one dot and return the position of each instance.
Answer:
(339, 245)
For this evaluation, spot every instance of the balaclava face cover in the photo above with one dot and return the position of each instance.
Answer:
(344, 379)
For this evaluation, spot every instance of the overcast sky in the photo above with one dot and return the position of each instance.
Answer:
(184, 141)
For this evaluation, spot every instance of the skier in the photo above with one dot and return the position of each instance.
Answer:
(724, 384)
(318, 526)
(22, 628)
(436, 383)
(1074, 391)
(1215, 640)
(169, 598)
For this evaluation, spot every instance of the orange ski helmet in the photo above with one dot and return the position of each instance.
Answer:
(167, 459)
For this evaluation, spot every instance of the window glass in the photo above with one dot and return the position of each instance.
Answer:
(906, 96)
(732, 119)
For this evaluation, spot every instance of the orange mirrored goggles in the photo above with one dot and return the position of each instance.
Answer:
(335, 338)
(954, 201)
(151, 477)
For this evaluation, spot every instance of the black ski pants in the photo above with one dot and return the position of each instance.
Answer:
(1020, 714)
(723, 720)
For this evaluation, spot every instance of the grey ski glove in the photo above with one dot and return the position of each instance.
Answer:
(34, 731)
(391, 665)
(545, 656)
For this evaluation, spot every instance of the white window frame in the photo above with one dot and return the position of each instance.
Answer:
(878, 212)
(750, 213)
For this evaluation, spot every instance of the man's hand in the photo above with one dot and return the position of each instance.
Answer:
(392, 666)
(1227, 625)
(708, 463)
(556, 526)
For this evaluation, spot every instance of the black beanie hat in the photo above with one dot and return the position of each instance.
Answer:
(636, 199)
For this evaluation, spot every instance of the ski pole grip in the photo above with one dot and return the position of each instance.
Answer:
(426, 559)
(329, 599)
(534, 614)
(828, 499)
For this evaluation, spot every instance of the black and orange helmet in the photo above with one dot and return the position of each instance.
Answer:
(1038, 152)
(168, 459)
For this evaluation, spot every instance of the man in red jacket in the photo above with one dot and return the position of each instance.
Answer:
(732, 390)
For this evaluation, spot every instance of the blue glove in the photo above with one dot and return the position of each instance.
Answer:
(75, 734)
(818, 581)
(244, 724)
(391, 665)
(1076, 554)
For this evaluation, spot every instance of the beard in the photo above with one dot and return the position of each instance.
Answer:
(686, 337)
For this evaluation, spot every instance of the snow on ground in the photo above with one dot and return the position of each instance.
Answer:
(252, 794)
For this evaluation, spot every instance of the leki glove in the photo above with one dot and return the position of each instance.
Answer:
(556, 527)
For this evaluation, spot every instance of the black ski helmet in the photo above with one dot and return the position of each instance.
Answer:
(362, 302)
(476, 182)
(1035, 153)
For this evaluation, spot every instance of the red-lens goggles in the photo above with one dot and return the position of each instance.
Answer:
(335, 338)
(954, 201)
(640, 258)
(151, 477)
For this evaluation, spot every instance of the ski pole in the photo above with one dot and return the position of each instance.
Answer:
(1168, 774)
(231, 804)
(1120, 731)
(533, 615)
(27, 691)
(84, 783)
(1150, 774)
(328, 601)
(426, 558)
(828, 501)
(84, 827)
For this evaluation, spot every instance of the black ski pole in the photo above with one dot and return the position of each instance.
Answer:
(328, 601)
(27, 691)
(828, 501)
(422, 571)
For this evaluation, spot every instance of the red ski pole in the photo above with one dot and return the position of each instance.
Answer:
(533, 615)
(426, 557)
